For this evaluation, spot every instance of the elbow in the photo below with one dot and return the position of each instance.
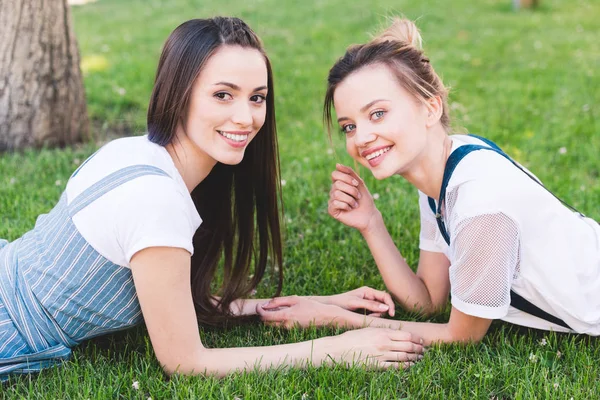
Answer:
(193, 364)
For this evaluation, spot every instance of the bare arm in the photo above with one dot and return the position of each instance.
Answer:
(427, 290)
(304, 312)
(352, 204)
(162, 280)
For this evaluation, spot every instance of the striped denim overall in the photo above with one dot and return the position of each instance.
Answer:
(56, 290)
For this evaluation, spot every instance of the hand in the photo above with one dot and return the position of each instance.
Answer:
(379, 347)
(376, 301)
(294, 310)
(349, 199)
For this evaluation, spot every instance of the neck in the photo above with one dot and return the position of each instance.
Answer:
(428, 170)
(192, 163)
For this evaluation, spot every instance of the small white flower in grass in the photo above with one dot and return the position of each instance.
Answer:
(13, 181)
(58, 182)
(537, 44)
(543, 342)
(582, 188)
(330, 151)
(283, 182)
(121, 91)
(586, 108)
(555, 385)
(558, 354)
(289, 220)
(562, 150)
(375, 196)
(533, 358)
(253, 292)
(135, 385)
(77, 161)
(305, 396)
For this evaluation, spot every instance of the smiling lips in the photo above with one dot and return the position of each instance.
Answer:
(375, 155)
(235, 138)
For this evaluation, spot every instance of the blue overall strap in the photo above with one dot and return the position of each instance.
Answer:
(457, 155)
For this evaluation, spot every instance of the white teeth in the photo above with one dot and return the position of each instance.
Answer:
(237, 138)
(377, 153)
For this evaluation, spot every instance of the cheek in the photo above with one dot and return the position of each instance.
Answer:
(259, 117)
(351, 148)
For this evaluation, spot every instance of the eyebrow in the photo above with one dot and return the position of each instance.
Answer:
(364, 108)
(236, 87)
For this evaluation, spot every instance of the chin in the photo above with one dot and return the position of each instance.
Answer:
(231, 160)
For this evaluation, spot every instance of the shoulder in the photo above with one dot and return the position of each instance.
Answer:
(115, 157)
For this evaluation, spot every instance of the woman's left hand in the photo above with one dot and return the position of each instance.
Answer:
(377, 302)
(294, 310)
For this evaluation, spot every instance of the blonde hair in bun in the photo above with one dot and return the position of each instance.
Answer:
(399, 47)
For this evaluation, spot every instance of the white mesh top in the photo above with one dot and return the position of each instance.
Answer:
(506, 231)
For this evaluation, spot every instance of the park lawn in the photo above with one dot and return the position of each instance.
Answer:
(527, 80)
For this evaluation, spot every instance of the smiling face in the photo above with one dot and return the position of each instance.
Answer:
(384, 125)
(227, 106)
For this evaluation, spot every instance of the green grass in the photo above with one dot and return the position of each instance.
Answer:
(527, 80)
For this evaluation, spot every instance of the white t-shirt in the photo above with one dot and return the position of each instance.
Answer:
(506, 231)
(147, 211)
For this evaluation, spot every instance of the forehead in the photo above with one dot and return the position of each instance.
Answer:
(245, 67)
(366, 84)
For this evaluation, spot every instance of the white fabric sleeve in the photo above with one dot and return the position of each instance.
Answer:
(486, 256)
(154, 214)
(429, 229)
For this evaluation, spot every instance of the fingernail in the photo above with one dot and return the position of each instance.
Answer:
(420, 356)
(384, 307)
(355, 204)
(359, 195)
(421, 341)
(354, 182)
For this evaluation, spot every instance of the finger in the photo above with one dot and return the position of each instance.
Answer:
(270, 316)
(336, 205)
(406, 347)
(344, 177)
(345, 198)
(401, 356)
(404, 336)
(349, 171)
(346, 188)
(370, 305)
(395, 365)
(276, 324)
(381, 296)
(287, 301)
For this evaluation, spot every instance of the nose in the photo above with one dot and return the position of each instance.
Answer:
(242, 114)
(364, 136)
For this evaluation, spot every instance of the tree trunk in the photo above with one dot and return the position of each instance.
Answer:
(42, 100)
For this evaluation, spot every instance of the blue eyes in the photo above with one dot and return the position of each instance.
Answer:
(377, 115)
(373, 116)
(348, 128)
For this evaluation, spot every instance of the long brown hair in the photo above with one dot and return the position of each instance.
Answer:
(398, 48)
(239, 204)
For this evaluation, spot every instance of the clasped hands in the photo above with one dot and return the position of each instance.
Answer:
(334, 310)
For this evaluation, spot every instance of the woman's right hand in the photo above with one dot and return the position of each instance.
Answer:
(381, 348)
(349, 199)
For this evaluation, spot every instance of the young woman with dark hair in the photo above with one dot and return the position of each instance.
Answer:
(144, 223)
(491, 235)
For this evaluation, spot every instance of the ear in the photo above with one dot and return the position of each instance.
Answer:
(435, 109)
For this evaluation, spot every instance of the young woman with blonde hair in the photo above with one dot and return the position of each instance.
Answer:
(491, 235)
